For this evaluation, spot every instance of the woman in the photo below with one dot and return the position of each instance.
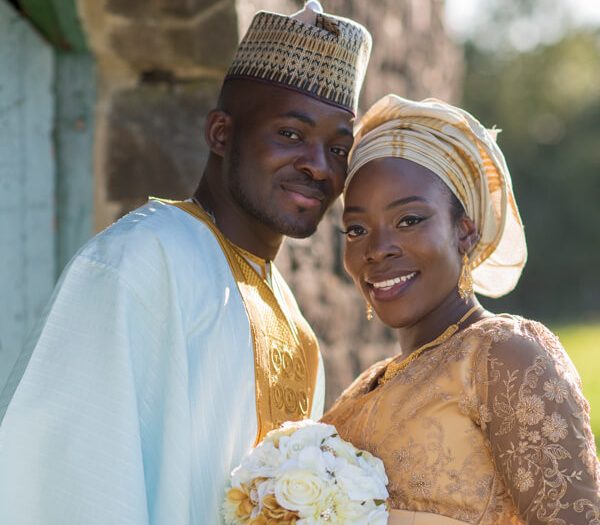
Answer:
(481, 418)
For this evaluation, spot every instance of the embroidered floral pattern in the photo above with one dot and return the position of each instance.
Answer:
(538, 419)
(523, 479)
(554, 427)
(555, 390)
(480, 432)
(530, 410)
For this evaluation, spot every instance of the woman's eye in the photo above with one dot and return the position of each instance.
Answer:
(288, 133)
(411, 220)
(341, 152)
(353, 231)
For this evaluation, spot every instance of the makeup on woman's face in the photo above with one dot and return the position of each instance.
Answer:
(401, 244)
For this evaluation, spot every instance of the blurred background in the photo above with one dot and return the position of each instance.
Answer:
(102, 103)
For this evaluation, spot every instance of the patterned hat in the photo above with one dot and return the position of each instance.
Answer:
(321, 55)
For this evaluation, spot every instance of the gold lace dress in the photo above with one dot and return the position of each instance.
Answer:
(476, 431)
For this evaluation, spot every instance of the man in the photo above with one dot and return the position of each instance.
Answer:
(171, 344)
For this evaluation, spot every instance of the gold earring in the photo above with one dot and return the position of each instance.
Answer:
(369, 311)
(465, 281)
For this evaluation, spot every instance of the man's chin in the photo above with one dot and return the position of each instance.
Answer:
(299, 231)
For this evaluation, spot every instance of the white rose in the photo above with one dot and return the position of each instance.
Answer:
(360, 485)
(341, 448)
(286, 429)
(336, 508)
(309, 434)
(300, 490)
(263, 462)
(314, 459)
(373, 464)
(378, 516)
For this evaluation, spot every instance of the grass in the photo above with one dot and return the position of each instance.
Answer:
(582, 343)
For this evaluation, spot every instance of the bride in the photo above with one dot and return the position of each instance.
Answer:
(481, 418)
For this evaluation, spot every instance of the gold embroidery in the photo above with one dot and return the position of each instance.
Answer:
(468, 433)
(285, 349)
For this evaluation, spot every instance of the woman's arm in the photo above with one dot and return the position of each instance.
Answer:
(538, 426)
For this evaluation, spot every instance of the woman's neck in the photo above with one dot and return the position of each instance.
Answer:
(433, 324)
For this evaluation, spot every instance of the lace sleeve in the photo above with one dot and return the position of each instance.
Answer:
(537, 422)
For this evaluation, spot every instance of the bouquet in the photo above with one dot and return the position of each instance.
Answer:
(304, 474)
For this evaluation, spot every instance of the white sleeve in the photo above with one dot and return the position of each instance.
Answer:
(80, 441)
(319, 396)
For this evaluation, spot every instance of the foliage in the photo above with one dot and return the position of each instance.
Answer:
(547, 101)
(582, 343)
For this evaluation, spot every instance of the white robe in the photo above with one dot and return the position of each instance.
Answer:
(139, 396)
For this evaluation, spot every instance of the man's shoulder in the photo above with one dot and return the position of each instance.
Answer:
(156, 233)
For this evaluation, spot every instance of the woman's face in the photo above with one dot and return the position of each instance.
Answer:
(402, 245)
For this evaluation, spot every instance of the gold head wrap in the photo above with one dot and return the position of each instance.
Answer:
(457, 148)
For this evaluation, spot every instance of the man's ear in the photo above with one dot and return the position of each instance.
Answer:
(467, 234)
(217, 131)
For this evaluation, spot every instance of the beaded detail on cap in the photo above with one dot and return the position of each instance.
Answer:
(326, 60)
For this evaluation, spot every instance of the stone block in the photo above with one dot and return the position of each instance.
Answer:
(152, 43)
(209, 42)
(183, 8)
(145, 8)
(127, 8)
(155, 142)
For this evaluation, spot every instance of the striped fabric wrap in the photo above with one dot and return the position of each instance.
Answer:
(326, 60)
(457, 148)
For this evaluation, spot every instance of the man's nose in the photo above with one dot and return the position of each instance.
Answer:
(314, 162)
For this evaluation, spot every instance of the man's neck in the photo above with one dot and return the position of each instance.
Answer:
(241, 229)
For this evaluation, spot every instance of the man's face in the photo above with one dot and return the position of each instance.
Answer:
(287, 160)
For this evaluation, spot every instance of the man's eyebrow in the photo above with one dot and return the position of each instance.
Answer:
(300, 116)
(303, 117)
(394, 204)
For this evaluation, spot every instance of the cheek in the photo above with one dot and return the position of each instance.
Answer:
(440, 250)
(352, 260)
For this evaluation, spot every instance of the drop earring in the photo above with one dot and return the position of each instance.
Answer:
(465, 281)
(369, 311)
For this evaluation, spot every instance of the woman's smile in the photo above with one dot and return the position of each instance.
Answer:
(386, 289)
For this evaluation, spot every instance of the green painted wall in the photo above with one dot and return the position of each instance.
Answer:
(27, 181)
(47, 97)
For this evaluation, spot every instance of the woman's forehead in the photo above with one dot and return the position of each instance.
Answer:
(392, 176)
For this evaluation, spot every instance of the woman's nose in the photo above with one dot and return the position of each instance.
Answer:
(381, 245)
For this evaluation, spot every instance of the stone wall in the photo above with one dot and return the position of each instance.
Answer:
(161, 64)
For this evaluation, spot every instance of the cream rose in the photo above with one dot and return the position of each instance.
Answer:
(300, 490)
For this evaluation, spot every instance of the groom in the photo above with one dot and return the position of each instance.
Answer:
(172, 344)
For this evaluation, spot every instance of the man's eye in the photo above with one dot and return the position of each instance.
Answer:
(288, 133)
(341, 152)
(353, 231)
(411, 220)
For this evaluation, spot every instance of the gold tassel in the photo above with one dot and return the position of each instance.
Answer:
(465, 281)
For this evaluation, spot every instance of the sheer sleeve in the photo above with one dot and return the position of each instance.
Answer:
(536, 420)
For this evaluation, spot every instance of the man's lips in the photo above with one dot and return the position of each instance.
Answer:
(303, 195)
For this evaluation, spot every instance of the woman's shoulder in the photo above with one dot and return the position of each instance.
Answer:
(504, 331)
(517, 343)
(505, 326)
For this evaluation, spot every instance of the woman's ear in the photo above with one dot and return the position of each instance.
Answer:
(217, 130)
(467, 234)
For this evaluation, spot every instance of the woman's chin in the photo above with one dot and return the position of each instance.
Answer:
(395, 319)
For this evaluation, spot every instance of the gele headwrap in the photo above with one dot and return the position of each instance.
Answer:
(457, 148)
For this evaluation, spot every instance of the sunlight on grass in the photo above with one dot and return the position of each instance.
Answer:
(582, 343)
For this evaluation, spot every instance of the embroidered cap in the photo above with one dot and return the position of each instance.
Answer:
(321, 55)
